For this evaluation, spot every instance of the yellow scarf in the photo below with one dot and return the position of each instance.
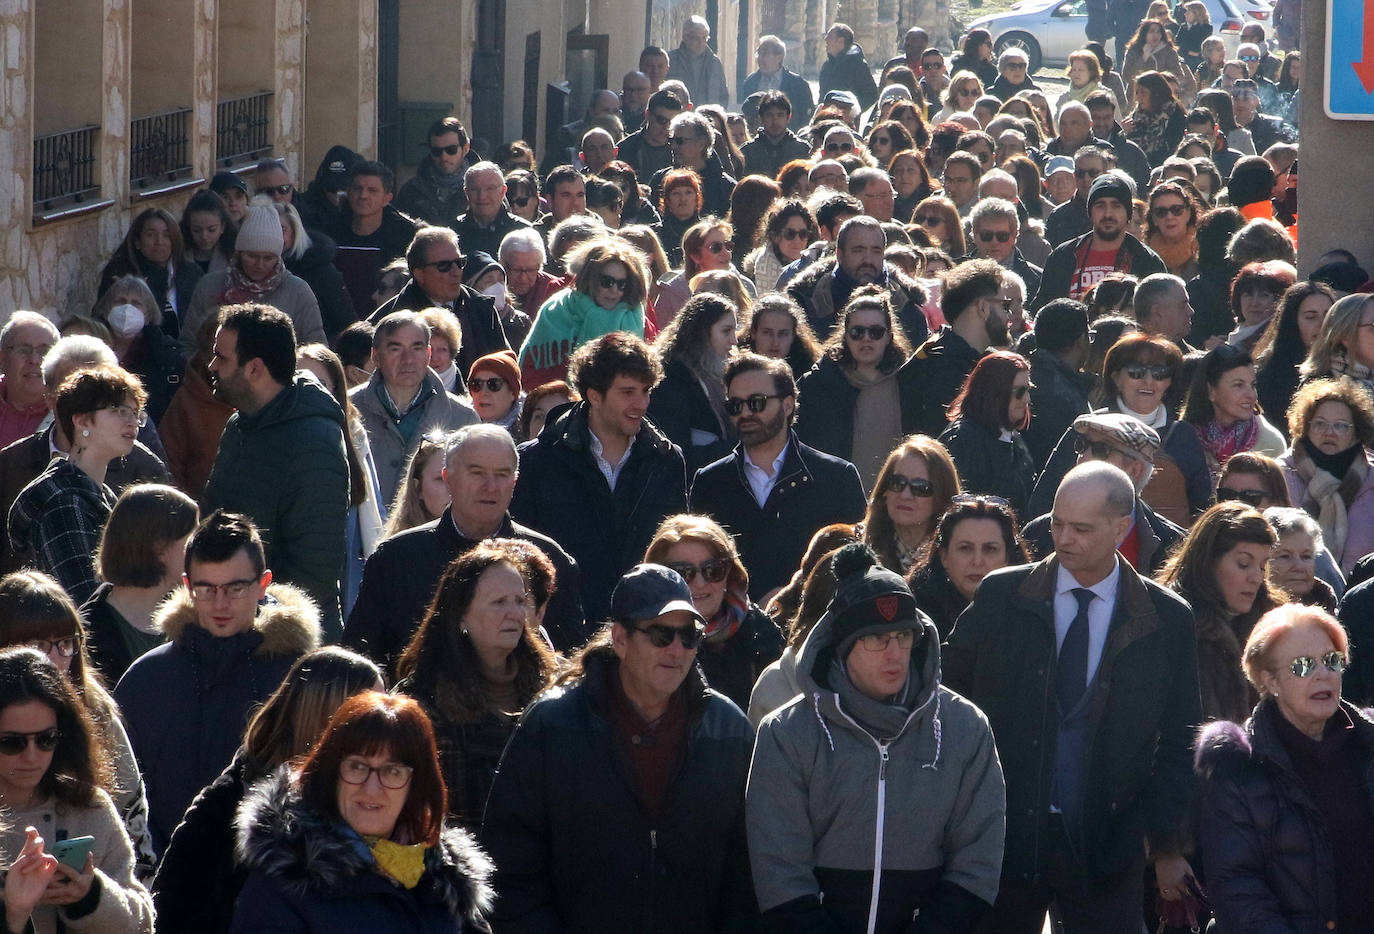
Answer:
(403, 862)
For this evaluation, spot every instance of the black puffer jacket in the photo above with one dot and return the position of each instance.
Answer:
(732, 667)
(315, 267)
(156, 359)
(932, 377)
(1264, 850)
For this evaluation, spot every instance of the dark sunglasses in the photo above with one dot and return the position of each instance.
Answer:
(611, 282)
(1001, 236)
(874, 332)
(1020, 392)
(274, 189)
(437, 151)
(756, 403)
(1100, 450)
(443, 265)
(1161, 211)
(13, 744)
(521, 201)
(721, 246)
(1249, 58)
(1302, 666)
(490, 384)
(712, 570)
(928, 220)
(1251, 498)
(792, 233)
(1157, 372)
(839, 147)
(880, 141)
(932, 66)
(660, 636)
(919, 486)
(1086, 173)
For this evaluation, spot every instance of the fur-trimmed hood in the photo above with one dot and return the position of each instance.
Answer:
(300, 849)
(288, 620)
(1224, 744)
(811, 277)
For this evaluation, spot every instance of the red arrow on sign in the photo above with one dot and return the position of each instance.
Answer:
(1365, 66)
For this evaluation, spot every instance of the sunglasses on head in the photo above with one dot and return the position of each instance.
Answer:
(13, 744)
(919, 486)
(274, 189)
(611, 282)
(660, 636)
(490, 384)
(1001, 236)
(721, 246)
(1252, 498)
(1158, 371)
(979, 499)
(756, 403)
(437, 151)
(443, 265)
(1161, 211)
(712, 570)
(1302, 666)
(874, 332)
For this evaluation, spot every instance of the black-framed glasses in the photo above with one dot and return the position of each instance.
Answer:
(712, 570)
(1020, 392)
(874, 332)
(1302, 667)
(661, 636)
(792, 233)
(878, 642)
(919, 486)
(14, 744)
(1251, 498)
(613, 282)
(437, 151)
(65, 647)
(128, 413)
(392, 775)
(721, 246)
(282, 190)
(1001, 236)
(490, 384)
(1161, 211)
(756, 403)
(1100, 450)
(234, 590)
(442, 265)
(1157, 372)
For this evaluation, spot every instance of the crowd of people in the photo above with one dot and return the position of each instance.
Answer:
(910, 511)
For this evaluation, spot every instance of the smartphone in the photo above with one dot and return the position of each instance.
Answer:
(73, 852)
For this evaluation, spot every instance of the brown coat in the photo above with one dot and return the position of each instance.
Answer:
(190, 431)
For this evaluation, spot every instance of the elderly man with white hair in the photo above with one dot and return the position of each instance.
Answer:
(994, 227)
(695, 65)
(523, 256)
(773, 75)
(486, 221)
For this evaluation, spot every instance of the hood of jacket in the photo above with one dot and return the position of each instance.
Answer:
(280, 836)
(320, 253)
(63, 479)
(288, 620)
(302, 398)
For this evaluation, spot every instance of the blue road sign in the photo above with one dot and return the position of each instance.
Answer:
(1349, 87)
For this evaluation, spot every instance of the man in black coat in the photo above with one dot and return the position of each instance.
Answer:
(1088, 674)
(436, 269)
(486, 222)
(1130, 158)
(845, 68)
(773, 493)
(399, 580)
(1061, 387)
(371, 219)
(772, 75)
(776, 145)
(600, 477)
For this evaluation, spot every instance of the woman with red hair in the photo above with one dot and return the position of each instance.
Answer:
(984, 434)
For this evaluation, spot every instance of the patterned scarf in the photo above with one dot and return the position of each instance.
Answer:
(1342, 365)
(239, 288)
(1222, 443)
(723, 626)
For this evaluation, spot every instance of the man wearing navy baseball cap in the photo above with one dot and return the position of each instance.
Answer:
(619, 802)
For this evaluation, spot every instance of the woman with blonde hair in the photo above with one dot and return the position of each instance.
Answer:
(1196, 27)
(445, 341)
(915, 485)
(963, 92)
(1085, 77)
(1345, 343)
(423, 496)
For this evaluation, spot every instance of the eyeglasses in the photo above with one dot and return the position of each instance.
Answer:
(1086, 173)
(437, 151)
(660, 636)
(792, 233)
(919, 486)
(274, 190)
(756, 403)
(874, 332)
(611, 282)
(490, 384)
(721, 246)
(928, 220)
(442, 265)
(234, 590)
(1321, 426)
(1252, 498)
(1161, 211)
(932, 66)
(1302, 666)
(28, 350)
(712, 570)
(839, 147)
(1158, 372)
(64, 647)
(878, 642)
(129, 414)
(968, 92)
(14, 744)
(1020, 392)
(393, 775)
(1001, 236)
(1100, 450)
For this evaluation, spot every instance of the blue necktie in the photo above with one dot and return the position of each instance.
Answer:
(1072, 673)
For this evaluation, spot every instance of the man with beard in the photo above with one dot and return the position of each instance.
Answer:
(1081, 263)
(773, 492)
(976, 321)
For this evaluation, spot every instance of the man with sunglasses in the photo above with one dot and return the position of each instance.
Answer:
(1087, 672)
(776, 144)
(619, 801)
(646, 150)
(436, 194)
(486, 222)
(1248, 105)
(996, 227)
(934, 79)
(271, 178)
(1070, 219)
(184, 722)
(773, 75)
(773, 492)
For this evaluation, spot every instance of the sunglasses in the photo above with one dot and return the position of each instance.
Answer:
(839, 147)
(1161, 211)
(274, 190)
(880, 141)
(932, 66)
(1302, 666)
(928, 220)
(979, 499)
(611, 282)
(437, 151)
(1086, 173)
(442, 265)
(1252, 498)
(721, 246)
(1020, 392)
(919, 486)
(1100, 450)
(1001, 236)
(660, 636)
(792, 233)
(1249, 58)
(712, 570)
(13, 744)
(521, 201)
(490, 384)
(874, 332)
(1157, 372)
(756, 403)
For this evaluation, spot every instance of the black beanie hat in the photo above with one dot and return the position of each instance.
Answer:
(869, 599)
(1112, 185)
(1252, 180)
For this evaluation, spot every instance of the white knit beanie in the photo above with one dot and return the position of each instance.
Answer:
(260, 231)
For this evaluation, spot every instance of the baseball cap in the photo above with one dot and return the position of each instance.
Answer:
(647, 591)
(1058, 164)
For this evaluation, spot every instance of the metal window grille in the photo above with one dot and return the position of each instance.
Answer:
(159, 148)
(243, 129)
(64, 167)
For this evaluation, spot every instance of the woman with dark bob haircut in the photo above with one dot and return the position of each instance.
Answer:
(984, 433)
(474, 664)
(1223, 407)
(778, 328)
(356, 840)
(56, 519)
(53, 780)
(679, 207)
(914, 488)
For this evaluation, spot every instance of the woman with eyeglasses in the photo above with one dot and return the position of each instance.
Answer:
(54, 772)
(849, 404)
(911, 180)
(938, 216)
(984, 433)
(1293, 563)
(975, 536)
(477, 659)
(963, 92)
(1171, 228)
(355, 837)
(785, 231)
(154, 251)
(692, 142)
(740, 640)
(1285, 807)
(688, 406)
(497, 392)
(1223, 407)
(56, 519)
(913, 489)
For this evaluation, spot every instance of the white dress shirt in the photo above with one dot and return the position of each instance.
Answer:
(1099, 612)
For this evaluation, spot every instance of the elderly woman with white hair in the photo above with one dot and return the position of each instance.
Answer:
(1293, 562)
(310, 257)
(134, 318)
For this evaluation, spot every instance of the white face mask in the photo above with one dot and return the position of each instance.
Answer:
(127, 320)
(497, 290)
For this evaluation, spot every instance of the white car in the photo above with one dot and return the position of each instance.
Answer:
(1048, 30)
